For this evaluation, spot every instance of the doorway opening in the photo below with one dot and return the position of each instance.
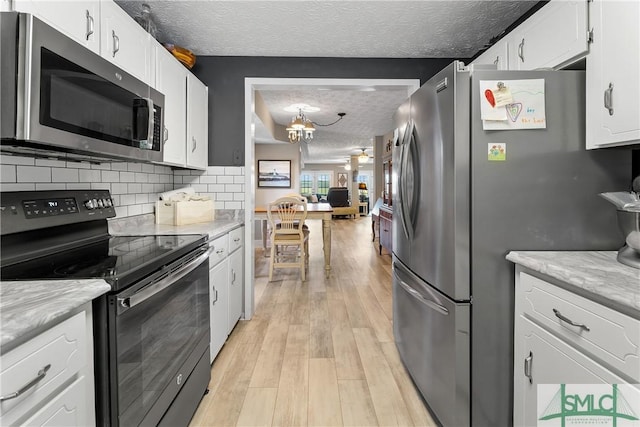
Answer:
(252, 85)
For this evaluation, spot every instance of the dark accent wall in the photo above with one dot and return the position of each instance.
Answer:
(225, 76)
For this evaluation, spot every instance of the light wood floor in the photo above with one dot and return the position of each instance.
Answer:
(318, 353)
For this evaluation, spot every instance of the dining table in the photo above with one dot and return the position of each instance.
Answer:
(321, 211)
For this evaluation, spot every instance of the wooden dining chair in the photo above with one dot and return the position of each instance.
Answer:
(289, 234)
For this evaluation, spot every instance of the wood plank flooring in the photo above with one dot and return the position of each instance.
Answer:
(320, 352)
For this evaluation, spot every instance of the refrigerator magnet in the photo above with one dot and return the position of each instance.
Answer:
(497, 152)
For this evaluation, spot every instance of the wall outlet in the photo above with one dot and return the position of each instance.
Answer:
(237, 157)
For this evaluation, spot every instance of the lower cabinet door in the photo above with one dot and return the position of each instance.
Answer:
(219, 300)
(236, 285)
(542, 363)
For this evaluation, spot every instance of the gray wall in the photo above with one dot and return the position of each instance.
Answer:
(225, 78)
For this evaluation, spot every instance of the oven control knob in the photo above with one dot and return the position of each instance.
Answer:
(89, 204)
(108, 203)
(100, 203)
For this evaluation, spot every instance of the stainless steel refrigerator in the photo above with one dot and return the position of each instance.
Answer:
(457, 214)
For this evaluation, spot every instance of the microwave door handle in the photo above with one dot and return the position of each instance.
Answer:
(156, 287)
(150, 122)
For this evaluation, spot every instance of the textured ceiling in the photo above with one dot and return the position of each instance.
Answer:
(346, 28)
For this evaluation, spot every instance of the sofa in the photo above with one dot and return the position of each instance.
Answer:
(338, 198)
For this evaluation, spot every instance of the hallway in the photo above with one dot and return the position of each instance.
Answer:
(318, 353)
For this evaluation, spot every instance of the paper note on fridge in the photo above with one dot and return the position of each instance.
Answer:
(512, 104)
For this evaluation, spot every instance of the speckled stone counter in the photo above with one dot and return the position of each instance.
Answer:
(27, 307)
(142, 225)
(594, 274)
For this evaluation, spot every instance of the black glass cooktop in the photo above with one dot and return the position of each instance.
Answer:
(119, 260)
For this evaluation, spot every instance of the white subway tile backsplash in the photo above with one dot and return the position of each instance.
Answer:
(18, 187)
(127, 177)
(41, 186)
(64, 175)
(33, 174)
(79, 186)
(51, 163)
(122, 167)
(119, 188)
(87, 175)
(225, 180)
(6, 159)
(134, 187)
(8, 173)
(208, 179)
(215, 170)
(110, 176)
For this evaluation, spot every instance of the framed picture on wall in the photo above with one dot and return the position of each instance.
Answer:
(342, 179)
(274, 173)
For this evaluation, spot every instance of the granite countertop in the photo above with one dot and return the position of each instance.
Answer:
(145, 225)
(594, 274)
(27, 307)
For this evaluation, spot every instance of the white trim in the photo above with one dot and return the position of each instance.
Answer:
(251, 84)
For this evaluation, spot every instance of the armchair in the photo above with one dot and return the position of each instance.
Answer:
(338, 198)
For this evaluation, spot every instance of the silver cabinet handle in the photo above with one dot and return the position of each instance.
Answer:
(89, 25)
(165, 136)
(497, 60)
(237, 239)
(569, 321)
(116, 42)
(521, 50)
(194, 143)
(220, 251)
(528, 361)
(233, 276)
(608, 99)
(41, 374)
(216, 294)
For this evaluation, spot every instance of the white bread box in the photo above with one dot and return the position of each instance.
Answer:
(181, 207)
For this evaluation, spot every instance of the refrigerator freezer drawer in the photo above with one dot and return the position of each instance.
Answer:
(432, 336)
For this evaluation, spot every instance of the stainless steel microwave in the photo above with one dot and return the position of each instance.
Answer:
(59, 99)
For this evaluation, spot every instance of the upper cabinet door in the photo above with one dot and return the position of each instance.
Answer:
(124, 42)
(496, 55)
(551, 38)
(171, 80)
(79, 20)
(197, 128)
(613, 75)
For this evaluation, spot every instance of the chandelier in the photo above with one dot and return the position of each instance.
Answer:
(301, 128)
(363, 157)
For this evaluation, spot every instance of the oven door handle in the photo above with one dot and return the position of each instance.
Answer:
(155, 287)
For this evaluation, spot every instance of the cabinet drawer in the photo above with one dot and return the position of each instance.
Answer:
(607, 335)
(235, 239)
(68, 408)
(220, 250)
(62, 348)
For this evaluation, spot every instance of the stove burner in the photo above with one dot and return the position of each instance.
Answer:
(92, 267)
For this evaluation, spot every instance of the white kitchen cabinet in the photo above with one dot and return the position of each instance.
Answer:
(236, 276)
(613, 75)
(58, 366)
(219, 299)
(553, 37)
(564, 338)
(197, 127)
(79, 19)
(171, 80)
(124, 42)
(496, 55)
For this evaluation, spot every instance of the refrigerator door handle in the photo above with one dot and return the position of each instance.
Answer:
(417, 295)
(404, 149)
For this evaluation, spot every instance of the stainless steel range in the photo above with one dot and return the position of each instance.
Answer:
(151, 332)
